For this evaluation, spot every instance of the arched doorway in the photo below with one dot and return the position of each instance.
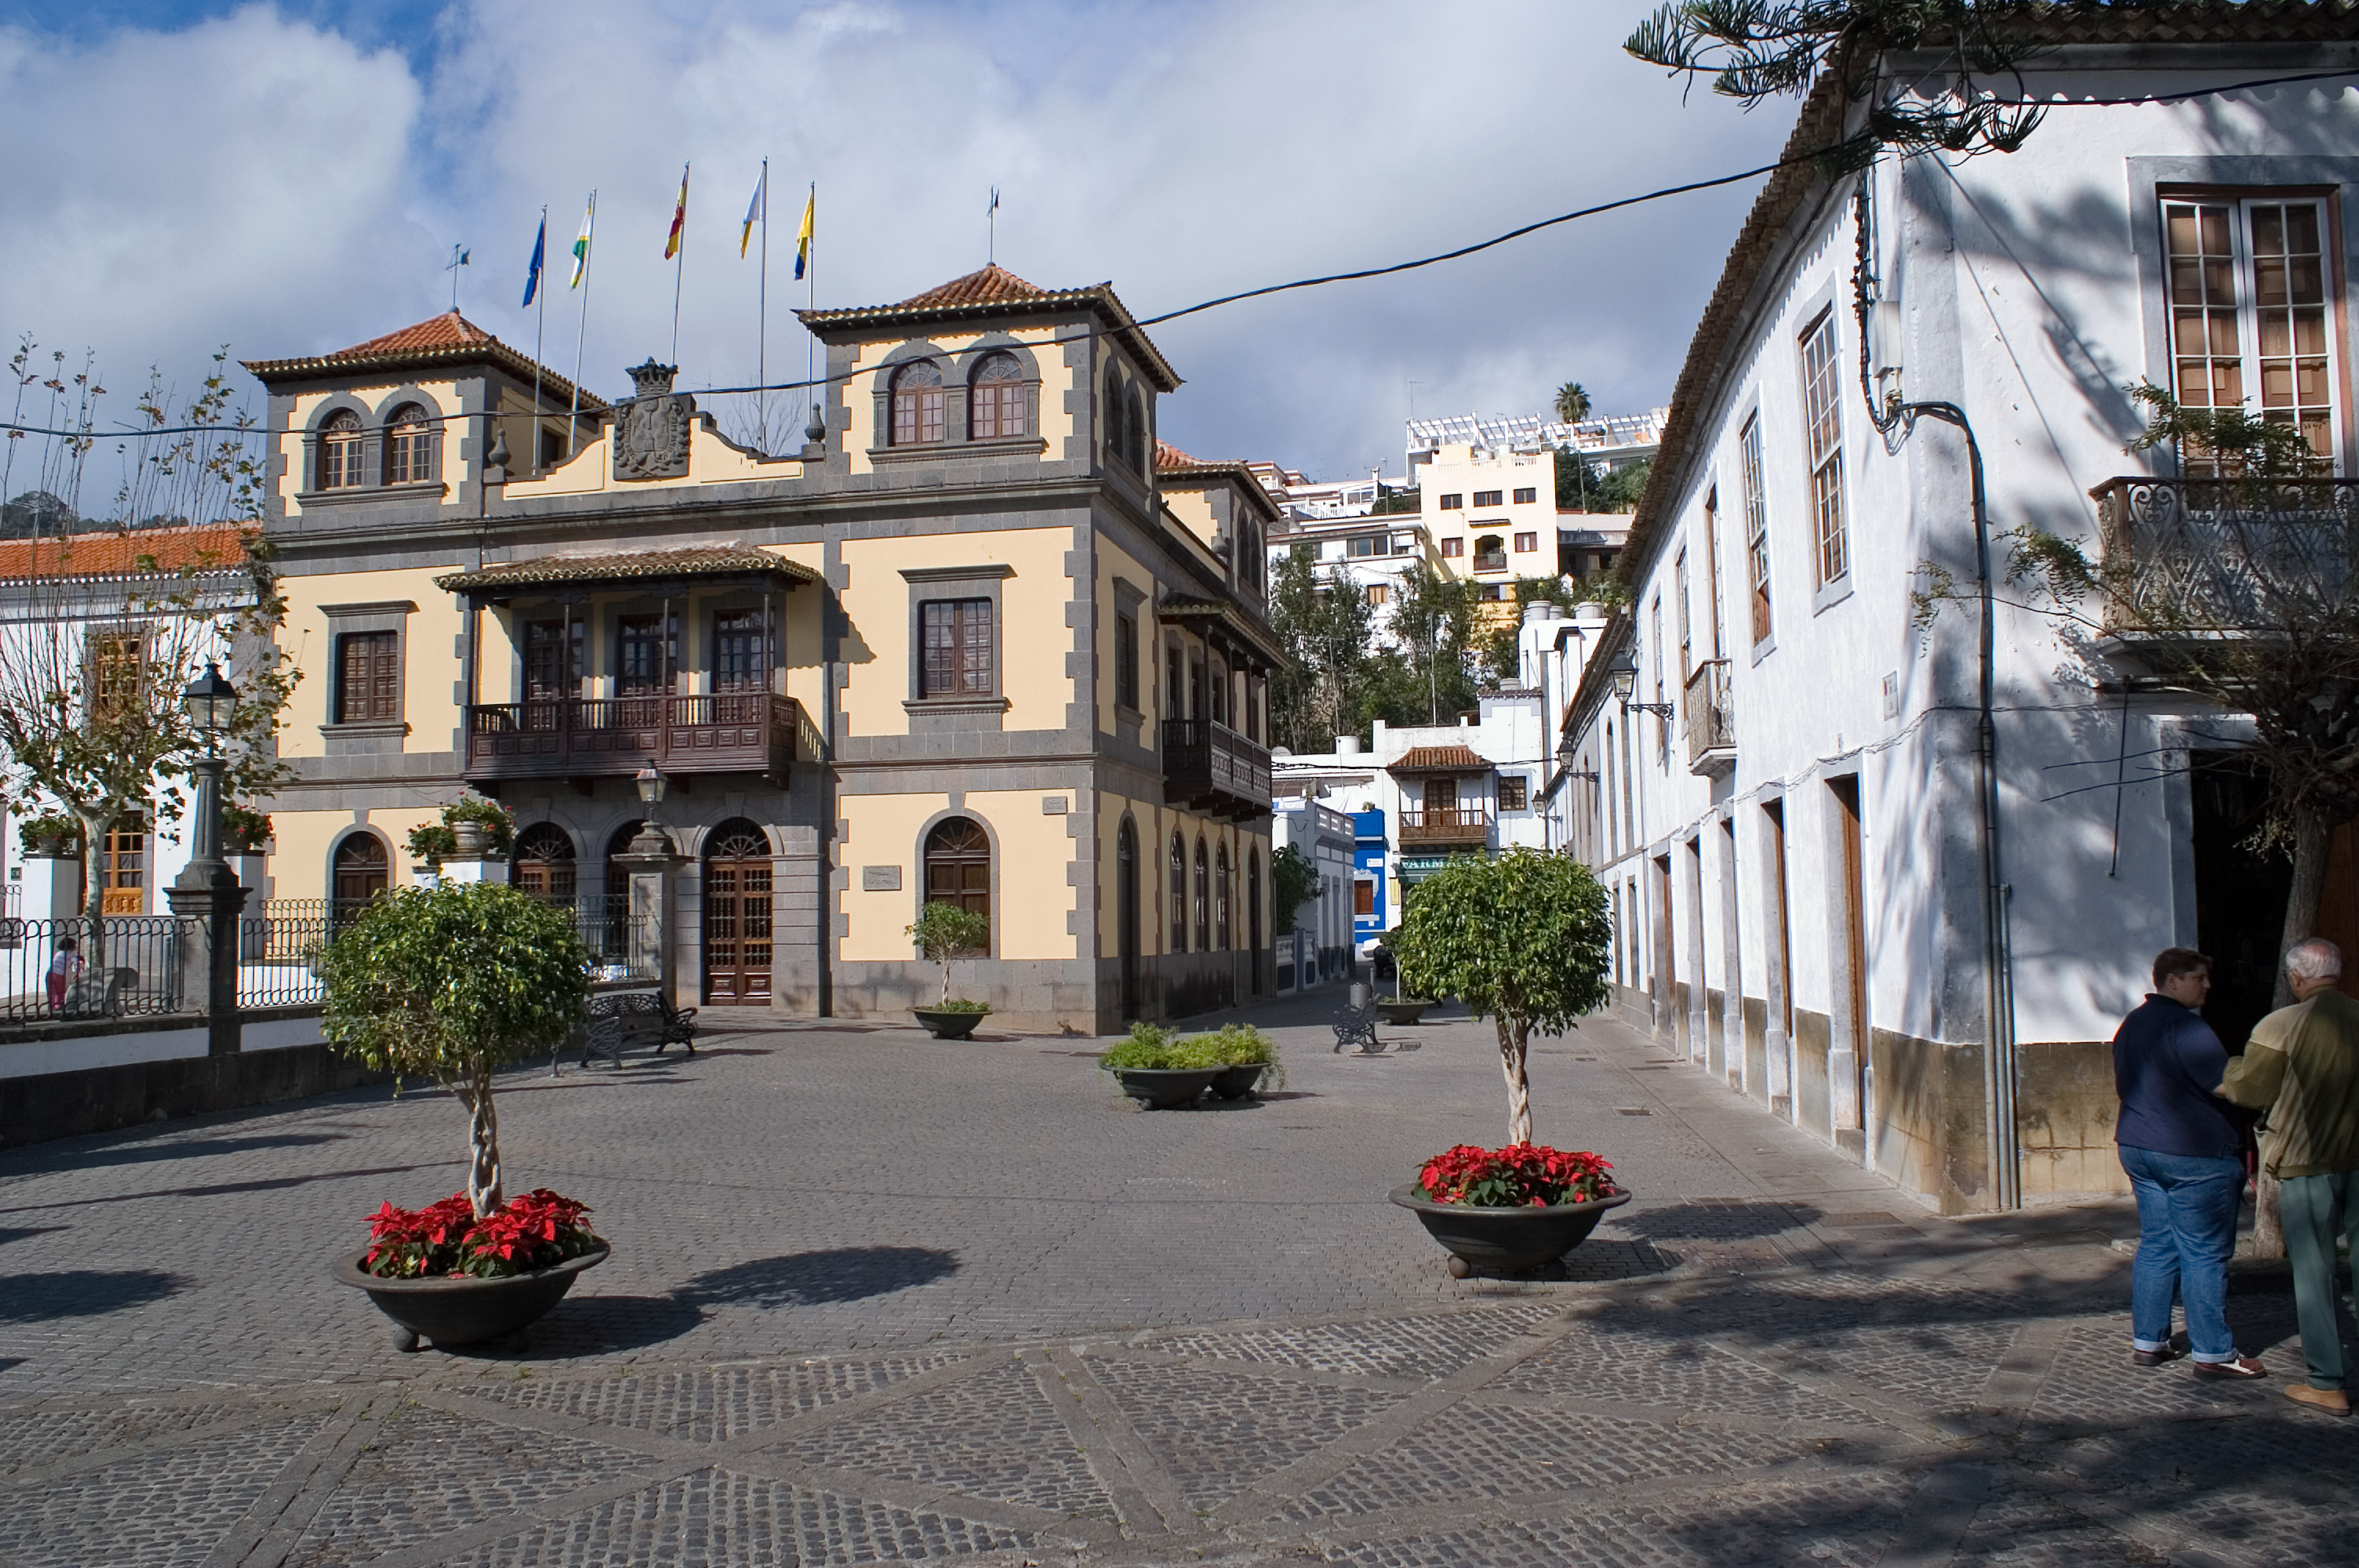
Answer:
(542, 865)
(359, 872)
(1125, 913)
(1253, 915)
(737, 915)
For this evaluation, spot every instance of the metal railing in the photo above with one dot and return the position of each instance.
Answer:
(279, 952)
(124, 966)
(1445, 824)
(624, 947)
(1490, 560)
(1711, 714)
(2224, 554)
(1202, 758)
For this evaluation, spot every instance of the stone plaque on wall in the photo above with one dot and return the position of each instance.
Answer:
(880, 879)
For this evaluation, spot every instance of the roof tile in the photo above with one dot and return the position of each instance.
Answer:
(1439, 760)
(447, 330)
(994, 284)
(137, 552)
(694, 560)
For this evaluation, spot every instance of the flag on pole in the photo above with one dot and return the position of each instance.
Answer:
(804, 237)
(756, 211)
(581, 245)
(678, 217)
(532, 273)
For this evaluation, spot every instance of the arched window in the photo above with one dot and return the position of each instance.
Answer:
(958, 864)
(994, 405)
(1179, 894)
(358, 874)
(1221, 927)
(1249, 557)
(340, 450)
(618, 876)
(1140, 462)
(1117, 430)
(413, 451)
(543, 863)
(916, 404)
(1204, 900)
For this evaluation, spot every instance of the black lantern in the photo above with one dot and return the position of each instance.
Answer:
(211, 702)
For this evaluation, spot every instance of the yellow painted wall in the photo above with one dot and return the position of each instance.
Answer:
(860, 389)
(1456, 469)
(445, 397)
(430, 667)
(1033, 638)
(1114, 562)
(302, 838)
(711, 461)
(1029, 917)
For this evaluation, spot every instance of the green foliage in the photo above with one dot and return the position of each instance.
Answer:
(1622, 488)
(1327, 636)
(1293, 881)
(1578, 481)
(1150, 1048)
(944, 932)
(450, 983)
(242, 828)
(1757, 49)
(1394, 503)
(959, 1004)
(2227, 441)
(50, 827)
(440, 841)
(1571, 402)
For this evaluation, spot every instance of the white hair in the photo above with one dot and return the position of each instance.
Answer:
(2316, 960)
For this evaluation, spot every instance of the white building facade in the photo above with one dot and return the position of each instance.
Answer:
(1826, 890)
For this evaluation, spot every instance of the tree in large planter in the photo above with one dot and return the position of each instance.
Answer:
(452, 983)
(947, 931)
(1522, 936)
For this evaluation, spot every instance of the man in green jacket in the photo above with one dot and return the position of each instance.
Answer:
(2302, 1068)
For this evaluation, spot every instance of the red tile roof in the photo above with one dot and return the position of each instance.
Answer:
(994, 285)
(1439, 760)
(691, 560)
(1168, 455)
(449, 339)
(142, 552)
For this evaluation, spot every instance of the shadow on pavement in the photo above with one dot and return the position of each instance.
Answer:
(82, 1292)
(193, 1148)
(18, 1232)
(808, 1278)
(592, 1326)
(1716, 1222)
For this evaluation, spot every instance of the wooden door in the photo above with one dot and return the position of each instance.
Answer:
(1854, 895)
(1126, 914)
(737, 919)
(123, 870)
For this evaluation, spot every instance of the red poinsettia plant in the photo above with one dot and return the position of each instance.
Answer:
(442, 1241)
(1521, 1176)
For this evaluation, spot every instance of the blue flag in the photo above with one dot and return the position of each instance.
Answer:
(539, 248)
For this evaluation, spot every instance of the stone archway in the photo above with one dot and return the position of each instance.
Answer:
(737, 915)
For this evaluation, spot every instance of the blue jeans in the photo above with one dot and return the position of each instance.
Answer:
(2187, 1229)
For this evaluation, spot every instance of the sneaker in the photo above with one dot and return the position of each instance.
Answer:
(2244, 1369)
(2332, 1401)
(2155, 1357)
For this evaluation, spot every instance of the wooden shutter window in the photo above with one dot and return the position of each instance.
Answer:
(955, 651)
(368, 677)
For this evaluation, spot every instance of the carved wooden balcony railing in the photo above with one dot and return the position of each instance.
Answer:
(593, 738)
(2222, 555)
(1210, 767)
(1710, 715)
(1445, 824)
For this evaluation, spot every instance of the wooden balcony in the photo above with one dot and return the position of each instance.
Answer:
(1463, 826)
(1710, 718)
(1210, 767)
(2201, 557)
(1490, 560)
(586, 739)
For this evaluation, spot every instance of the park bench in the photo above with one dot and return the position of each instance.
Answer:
(1356, 1026)
(621, 1020)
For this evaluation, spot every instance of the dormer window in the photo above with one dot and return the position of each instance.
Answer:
(1141, 461)
(995, 399)
(1117, 427)
(917, 402)
(340, 450)
(413, 448)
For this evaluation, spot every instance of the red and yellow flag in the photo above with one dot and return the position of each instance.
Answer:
(678, 217)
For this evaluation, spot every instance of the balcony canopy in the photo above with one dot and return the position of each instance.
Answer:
(1224, 622)
(1439, 760)
(648, 570)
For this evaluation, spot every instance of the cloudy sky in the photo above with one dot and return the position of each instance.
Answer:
(290, 178)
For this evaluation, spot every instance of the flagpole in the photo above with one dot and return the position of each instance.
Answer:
(810, 302)
(539, 330)
(762, 328)
(679, 265)
(589, 243)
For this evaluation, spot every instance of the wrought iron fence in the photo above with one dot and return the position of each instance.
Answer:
(623, 945)
(121, 966)
(278, 953)
(2226, 555)
(1710, 712)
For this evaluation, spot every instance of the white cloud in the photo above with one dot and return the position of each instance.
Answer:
(254, 180)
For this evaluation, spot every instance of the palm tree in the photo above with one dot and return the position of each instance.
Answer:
(1571, 402)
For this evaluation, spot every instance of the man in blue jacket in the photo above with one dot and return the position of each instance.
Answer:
(2184, 1155)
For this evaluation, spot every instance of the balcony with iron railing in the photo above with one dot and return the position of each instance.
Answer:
(1208, 767)
(1490, 560)
(2208, 555)
(1711, 717)
(1445, 826)
(591, 738)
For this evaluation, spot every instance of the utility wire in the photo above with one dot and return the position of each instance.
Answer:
(1387, 271)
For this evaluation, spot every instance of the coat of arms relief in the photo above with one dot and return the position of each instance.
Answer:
(651, 430)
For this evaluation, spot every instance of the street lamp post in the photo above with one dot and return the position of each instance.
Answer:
(651, 863)
(207, 889)
(1624, 673)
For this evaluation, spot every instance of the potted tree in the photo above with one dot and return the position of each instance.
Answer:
(451, 983)
(469, 827)
(1524, 937)
(1399, 1008)
(944, 932)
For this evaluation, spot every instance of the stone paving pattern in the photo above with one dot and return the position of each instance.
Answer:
(877, 1298)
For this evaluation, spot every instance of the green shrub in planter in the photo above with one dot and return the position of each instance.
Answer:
(1242, 1045)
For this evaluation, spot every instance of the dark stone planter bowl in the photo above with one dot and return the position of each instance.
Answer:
(464, 1311)
(1236, 1083)
(1165, 1088)
(1505, 1238)
(949, 1024)
(1402, 1010)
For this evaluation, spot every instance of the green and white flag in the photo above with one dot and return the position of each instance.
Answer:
(582, 244)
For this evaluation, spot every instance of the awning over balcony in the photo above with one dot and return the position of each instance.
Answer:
(1439, 760)
(646, 569)
(1222, 621)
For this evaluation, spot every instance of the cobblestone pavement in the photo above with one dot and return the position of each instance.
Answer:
(880, 1298)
